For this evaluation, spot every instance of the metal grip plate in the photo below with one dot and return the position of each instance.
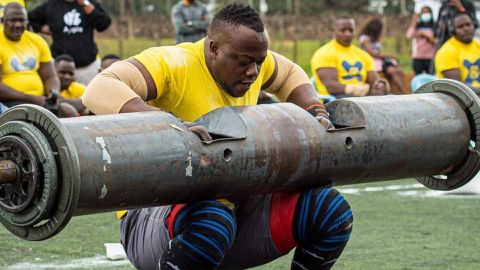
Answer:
(471, 104)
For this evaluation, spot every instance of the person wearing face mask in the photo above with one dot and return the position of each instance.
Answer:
(423, 40)
(72, 24)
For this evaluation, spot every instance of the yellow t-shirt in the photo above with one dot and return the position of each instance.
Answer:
(352, 64)
(186, 88)
(457, 55)
(3, 3)
(75, 90)
(20, 61)
(184, 84)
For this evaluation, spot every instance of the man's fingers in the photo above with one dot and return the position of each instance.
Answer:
(201, 132)
(325, 123)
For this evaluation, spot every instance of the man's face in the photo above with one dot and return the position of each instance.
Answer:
(15, 22)
(464, 29)
(344, 31)
(453, 2)
(66, 73)
(237, 56)
(106, 63)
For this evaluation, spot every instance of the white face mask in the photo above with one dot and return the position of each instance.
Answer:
(426, 17)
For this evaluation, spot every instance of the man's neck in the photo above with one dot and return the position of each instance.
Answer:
(187, 3)
(465, 43)
(345, 46)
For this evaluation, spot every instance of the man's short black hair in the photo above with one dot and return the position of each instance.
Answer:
(111, 56)
(64, 57)
(236, 14)
(458, 14)
(12, 5)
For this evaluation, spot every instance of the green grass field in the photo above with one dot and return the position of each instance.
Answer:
(391, 231)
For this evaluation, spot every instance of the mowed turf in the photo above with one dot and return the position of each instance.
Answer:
(391, 231)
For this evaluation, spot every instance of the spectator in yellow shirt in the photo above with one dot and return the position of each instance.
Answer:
(342, 69)
(27, 74)
(459, 56)
(70, 90)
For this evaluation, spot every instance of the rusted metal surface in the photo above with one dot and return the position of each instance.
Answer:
(112, 162)
(146, 159)
(8, 171)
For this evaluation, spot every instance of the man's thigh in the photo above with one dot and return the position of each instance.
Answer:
(145, 236)
(253, 244)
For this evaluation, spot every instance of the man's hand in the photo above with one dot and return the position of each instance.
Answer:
(380, 87)
(38, 100)
(200, 131)
(45, 30)
(318, 111)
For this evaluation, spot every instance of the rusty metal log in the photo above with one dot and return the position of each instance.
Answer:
(104, 163)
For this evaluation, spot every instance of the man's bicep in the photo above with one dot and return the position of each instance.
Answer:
(46, 70)
(327, 74)
(453, 74)
(151, 89)
(372, 76)
(285, 77)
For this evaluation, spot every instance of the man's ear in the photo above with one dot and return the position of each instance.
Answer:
(213, 48)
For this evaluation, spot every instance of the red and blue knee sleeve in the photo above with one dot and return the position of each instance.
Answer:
(202, 233)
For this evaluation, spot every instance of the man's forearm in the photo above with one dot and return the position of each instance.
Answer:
(51, 85)
(303, 96)
(137, 105)
(75, 102)
(9, 94)
(334, 87)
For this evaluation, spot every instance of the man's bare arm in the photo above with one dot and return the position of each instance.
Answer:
(289, 82)
(453, 74)
(49, 78)
(123, 87)
(329, 78)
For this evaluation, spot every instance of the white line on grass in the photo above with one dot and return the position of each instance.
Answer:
(377, 189)
(97, 262)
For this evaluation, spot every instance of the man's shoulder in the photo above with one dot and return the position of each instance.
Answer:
(179, 6)
(360, 51)
(185, 54)
(476, 42)
(36, 38)
(449, 46)
(326, 48)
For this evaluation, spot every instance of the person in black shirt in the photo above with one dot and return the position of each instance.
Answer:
(71, 23)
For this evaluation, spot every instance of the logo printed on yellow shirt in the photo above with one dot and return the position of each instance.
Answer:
(473, 77)
(353, 71)
(28, 64)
